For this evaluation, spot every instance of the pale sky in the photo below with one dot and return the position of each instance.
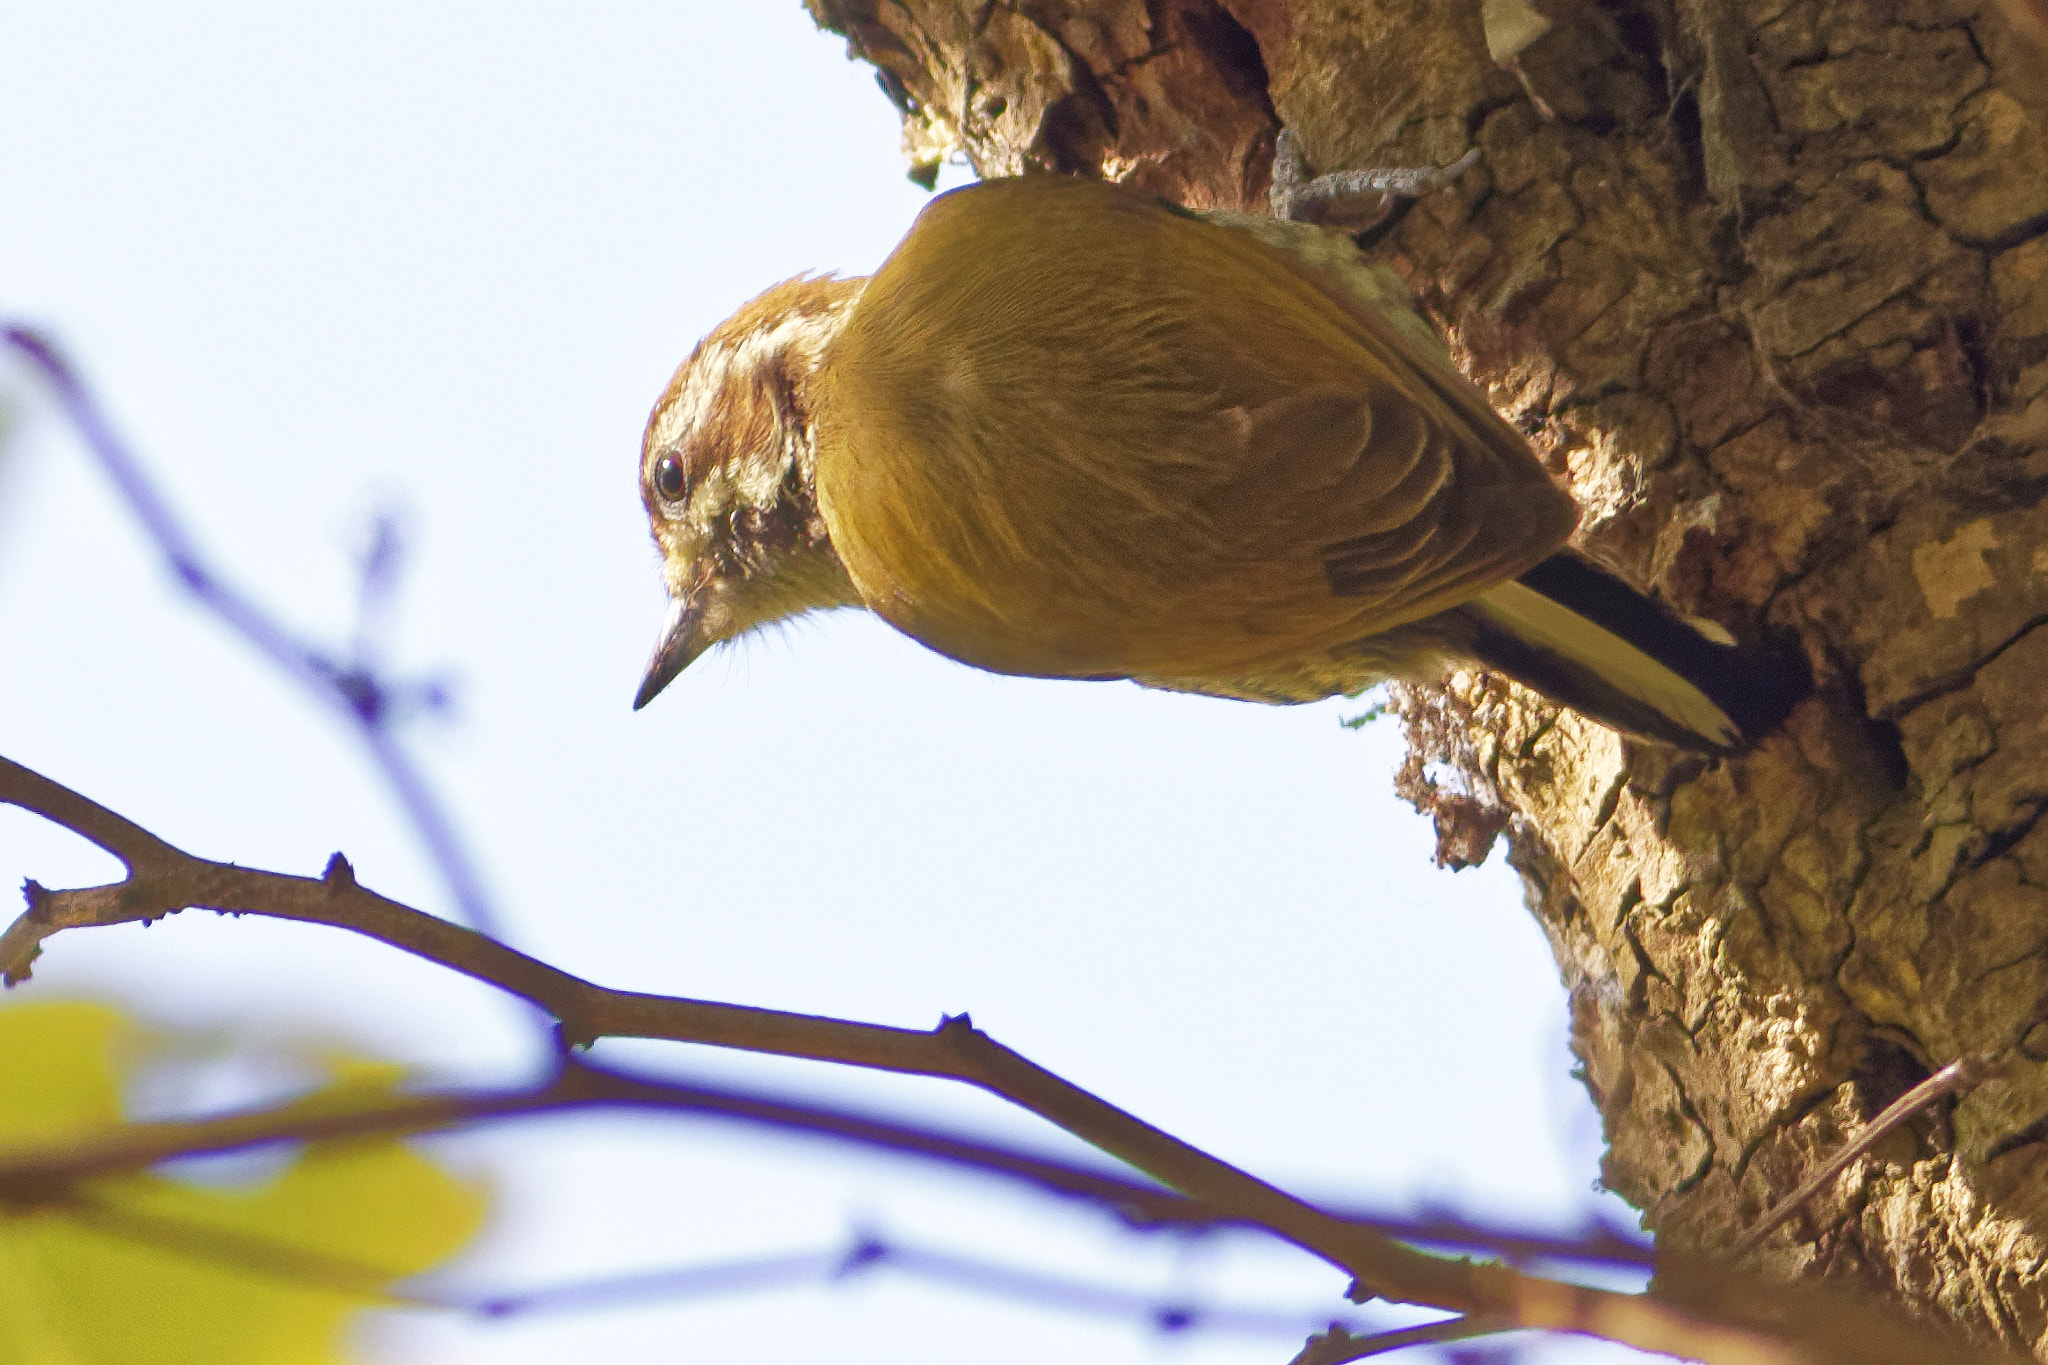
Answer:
(444, 258)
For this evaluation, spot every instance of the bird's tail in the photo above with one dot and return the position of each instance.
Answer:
(1583, 637)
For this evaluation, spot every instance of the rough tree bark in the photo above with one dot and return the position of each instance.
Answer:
(1766, 283)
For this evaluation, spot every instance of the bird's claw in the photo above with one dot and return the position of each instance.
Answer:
(1356, 201)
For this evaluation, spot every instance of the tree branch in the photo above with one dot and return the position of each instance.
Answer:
(31, 1175)
(164, 880)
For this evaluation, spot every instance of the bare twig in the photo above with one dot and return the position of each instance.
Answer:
(1339, 1344)
(677, 1282)
(355, 689)
(1067, 1293)
(1959, 1074)
(269, 1258)
(1748, 1322)
(30, 1175)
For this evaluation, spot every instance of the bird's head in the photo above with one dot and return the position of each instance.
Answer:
(729, 478)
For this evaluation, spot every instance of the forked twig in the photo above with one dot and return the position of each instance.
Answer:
(353, 689)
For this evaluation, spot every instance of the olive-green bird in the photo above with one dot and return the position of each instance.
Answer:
(1069, 431)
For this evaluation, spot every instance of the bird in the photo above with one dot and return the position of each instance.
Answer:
(1069, 430)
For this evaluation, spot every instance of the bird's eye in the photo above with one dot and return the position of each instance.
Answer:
(668, 478)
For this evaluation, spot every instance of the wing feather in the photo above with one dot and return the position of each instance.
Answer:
(1097, 436)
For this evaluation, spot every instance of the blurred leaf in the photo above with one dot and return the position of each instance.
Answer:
(142, 1269)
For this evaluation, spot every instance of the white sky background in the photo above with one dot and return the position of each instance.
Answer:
(444, 257)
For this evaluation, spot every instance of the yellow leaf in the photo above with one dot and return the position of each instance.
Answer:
(147, 1270)
(60, 1068)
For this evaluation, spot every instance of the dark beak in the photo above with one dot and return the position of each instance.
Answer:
(679, 645)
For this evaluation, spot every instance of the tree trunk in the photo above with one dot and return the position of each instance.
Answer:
(1766, 284)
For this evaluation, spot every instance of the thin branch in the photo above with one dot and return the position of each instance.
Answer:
(869, 1254)
(377, 586)
(1338, 1344)
(272, 1259)
(141, 853)
(52, 1178)
(998, 1280)
(355, 691)
(956, 1050)
(1960, 1074)
(1747, 1321)
(679, 1282)
(32, 1175)
(1597, 1244)
(37, 1175)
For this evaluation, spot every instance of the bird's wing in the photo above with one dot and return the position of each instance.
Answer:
(1080, 433)
(1387, 464)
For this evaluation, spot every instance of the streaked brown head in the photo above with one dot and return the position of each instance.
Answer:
(729, 480)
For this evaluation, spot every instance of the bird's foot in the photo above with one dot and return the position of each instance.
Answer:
(1355, 201)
